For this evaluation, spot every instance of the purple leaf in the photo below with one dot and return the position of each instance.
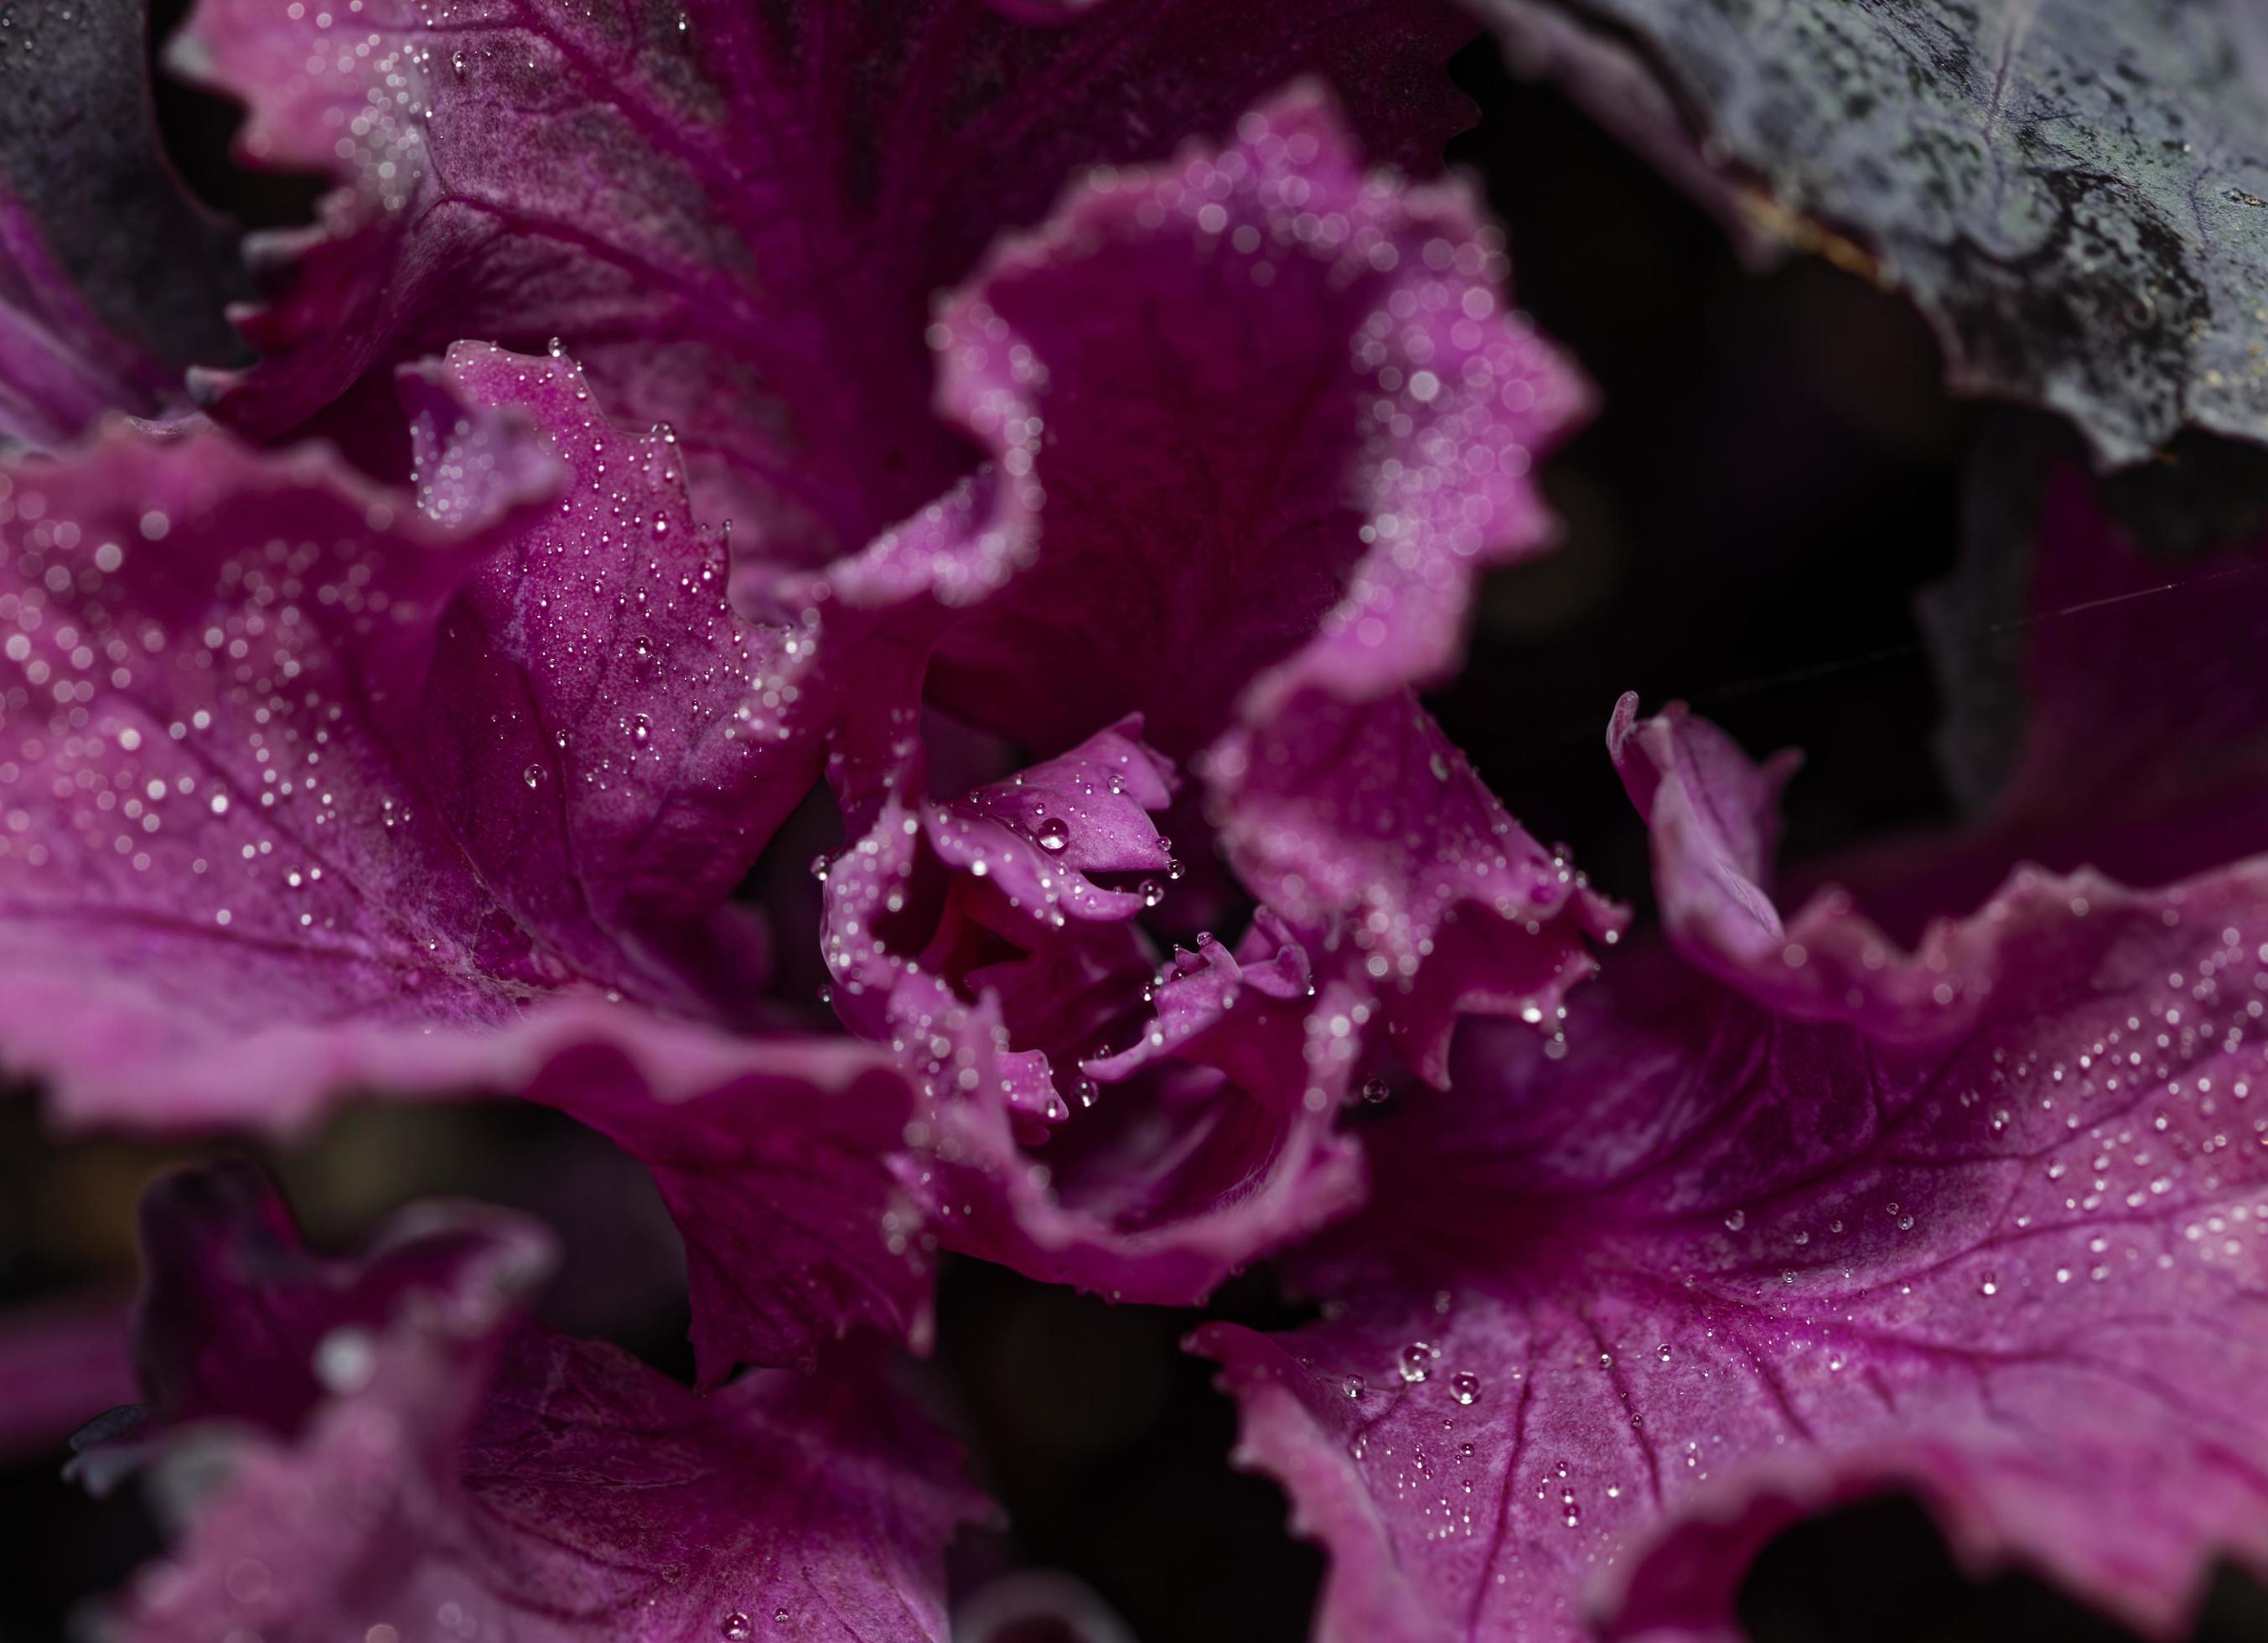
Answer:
(1300, 558)
(451, 1468)
(588, 726)
(1613, 1319)
(1194, 508)
(1715, 822)
(310, 790)
(212, 848)
(284, 752)
(1364, 826)
(775, 1157)
(1074, 1128)
(735, 218)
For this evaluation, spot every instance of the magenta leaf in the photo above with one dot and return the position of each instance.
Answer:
(1074, 1127)
(449, 1467)
(775, 1157)
(735, 218)
(1365, 828)
(1614, 1317)
(588, 726)
(1713, 818)
(211, 847)
(1320, 569)
(311, 791)
(292, 762)
(1150, 329)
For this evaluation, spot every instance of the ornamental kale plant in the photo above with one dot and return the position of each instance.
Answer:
(1045, 458)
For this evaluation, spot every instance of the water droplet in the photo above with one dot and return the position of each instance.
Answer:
(532, 776)
(1353, 1386)
(1464, 1386)
(345, 1360)
(641, 727)
(1376, 1090)
(1053, 834)
(1416, 1362)
(1737, 1220)
(557, 347)
(736, 1627)
(457, 62)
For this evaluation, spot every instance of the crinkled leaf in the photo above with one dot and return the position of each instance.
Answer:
(458, 1469)
(1075, 1128)
(2076, 194)
(1280, 413)
(586, 725)
(735, 215)
(111, 279)
(288, 815)
(1261, 571)
(1023, 888)
(211, 853)
(1364, 825)
(1613, 1319)
(1714, 819)
(290, 760)
(1176, 1169)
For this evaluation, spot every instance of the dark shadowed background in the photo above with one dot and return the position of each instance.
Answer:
(1775, 473)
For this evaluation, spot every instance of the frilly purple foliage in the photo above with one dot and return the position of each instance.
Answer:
(729, 407)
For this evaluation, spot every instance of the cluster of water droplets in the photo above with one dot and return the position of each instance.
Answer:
(642, 675)
(183, 736)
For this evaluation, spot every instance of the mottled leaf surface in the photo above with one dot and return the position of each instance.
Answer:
(2075, 194)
